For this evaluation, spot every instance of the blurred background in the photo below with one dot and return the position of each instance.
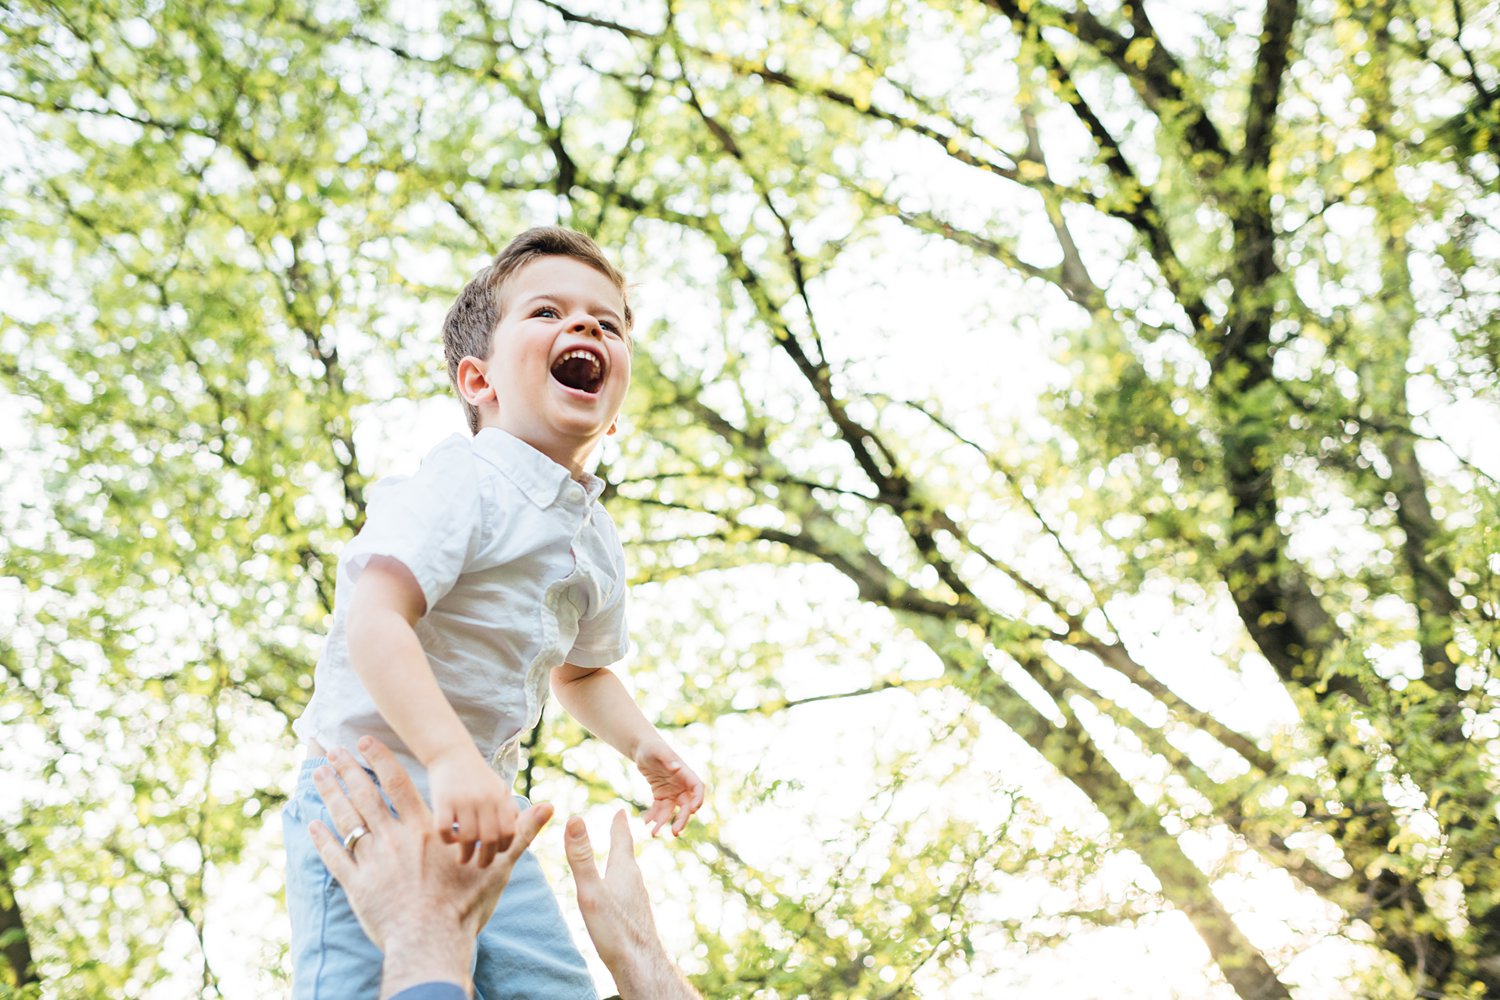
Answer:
(1060, 480)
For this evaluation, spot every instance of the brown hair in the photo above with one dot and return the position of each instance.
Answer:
(469, 327)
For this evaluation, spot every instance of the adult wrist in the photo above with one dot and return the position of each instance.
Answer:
(648, 973)
(436, 951)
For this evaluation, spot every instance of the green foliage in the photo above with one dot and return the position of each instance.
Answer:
(1111, 392)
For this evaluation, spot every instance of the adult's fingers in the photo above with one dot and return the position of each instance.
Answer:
(331, 850)
(621, 846)
(580, 852)
(405, 798)
(528, 825)
(345, 816)
(359, 788)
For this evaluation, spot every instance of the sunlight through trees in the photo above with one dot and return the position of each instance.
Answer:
(1084, 416)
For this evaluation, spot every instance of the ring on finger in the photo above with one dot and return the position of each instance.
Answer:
(352, 838)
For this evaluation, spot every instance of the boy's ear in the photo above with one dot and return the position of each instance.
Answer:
(473, 382)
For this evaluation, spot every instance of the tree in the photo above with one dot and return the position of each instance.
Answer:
(1263, 248)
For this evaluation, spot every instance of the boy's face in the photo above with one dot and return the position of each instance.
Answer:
(559, 361)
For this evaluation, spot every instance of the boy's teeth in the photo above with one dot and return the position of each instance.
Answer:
(579, 369)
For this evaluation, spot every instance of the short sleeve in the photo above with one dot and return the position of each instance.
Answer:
(431, 522)
(604, 634)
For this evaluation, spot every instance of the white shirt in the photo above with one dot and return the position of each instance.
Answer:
(522, 571)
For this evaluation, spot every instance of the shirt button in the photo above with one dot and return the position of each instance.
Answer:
(575, 493)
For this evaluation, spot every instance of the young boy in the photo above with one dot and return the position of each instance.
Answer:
(472, 584)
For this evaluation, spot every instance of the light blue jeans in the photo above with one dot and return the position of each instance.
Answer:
(524, 953)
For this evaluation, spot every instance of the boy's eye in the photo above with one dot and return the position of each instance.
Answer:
(612, 328)
(546, 311)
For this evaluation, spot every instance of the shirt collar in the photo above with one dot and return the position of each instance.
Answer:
(536, 475)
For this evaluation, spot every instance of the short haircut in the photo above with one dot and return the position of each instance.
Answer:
(469, 328)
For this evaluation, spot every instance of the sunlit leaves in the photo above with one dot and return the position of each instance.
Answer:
(970, 341)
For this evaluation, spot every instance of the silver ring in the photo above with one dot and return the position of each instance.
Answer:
(352, 838)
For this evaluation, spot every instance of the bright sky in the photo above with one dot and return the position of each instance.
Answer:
(884, 311)
(846, 743)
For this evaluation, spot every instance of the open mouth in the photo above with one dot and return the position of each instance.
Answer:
(579, 369)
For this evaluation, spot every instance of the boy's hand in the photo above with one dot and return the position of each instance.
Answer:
(676, 792)
(470, 804)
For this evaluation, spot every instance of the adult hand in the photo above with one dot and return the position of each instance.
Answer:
(414, 895)
(617, 912)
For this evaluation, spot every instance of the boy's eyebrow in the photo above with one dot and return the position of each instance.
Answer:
(595, 307)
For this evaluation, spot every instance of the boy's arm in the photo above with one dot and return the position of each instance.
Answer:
(390, 662)
(596, 698)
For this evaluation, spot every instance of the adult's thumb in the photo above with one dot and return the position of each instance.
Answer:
(579, 851)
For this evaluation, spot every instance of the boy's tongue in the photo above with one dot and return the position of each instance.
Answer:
(581, 373)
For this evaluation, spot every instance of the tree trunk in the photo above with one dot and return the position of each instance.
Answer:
(1073, 753)
(15, 945)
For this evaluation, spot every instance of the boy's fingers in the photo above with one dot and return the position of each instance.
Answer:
(690, 801)
(580, 852)
(405, 798)
(331, 850)
(467, 821)
(492, 835)
(486, 827)
(510, 817)
(699, 791)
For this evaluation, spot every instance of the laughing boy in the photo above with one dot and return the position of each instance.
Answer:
(473, 584)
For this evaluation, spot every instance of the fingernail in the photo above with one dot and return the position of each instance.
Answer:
(365, 743)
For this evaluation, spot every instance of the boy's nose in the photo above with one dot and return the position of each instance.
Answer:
(588, 326)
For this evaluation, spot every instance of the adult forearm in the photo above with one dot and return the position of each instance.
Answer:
(651, 976)
(393, 667)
